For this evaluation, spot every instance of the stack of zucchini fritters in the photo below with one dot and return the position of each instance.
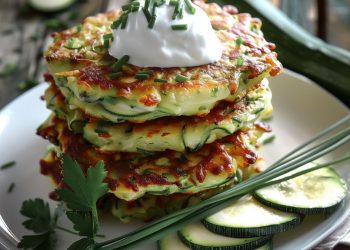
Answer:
(168, 141)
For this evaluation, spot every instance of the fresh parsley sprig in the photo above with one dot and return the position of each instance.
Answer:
(41, 222)
(81, 196)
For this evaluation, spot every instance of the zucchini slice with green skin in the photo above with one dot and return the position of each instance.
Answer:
(173, 242)
(197, 237)
(237, 221)
(50, 6)
(319, 191)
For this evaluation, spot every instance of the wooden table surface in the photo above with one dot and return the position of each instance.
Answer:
(23, 36)
(24, 33)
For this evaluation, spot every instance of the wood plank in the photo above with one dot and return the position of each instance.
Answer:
(23, 38)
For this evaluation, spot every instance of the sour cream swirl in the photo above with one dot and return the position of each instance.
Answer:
(164, 47)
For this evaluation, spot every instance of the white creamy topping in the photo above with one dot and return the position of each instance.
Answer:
(164, 47)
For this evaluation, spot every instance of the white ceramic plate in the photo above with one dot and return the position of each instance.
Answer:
(301, 110)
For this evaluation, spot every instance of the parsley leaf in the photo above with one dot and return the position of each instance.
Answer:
(81, 195)
(82, 222)
(39, 214)
(43, 241)
(84, 243)
(40, 221)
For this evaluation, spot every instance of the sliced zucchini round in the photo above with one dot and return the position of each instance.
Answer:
(173, 242)
(50, 6)
(319, 191)
(237, 220)
(197, 237)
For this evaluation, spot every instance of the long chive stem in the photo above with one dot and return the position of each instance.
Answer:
(182, 217)
(316, 167)
(293, 156)
(180, 78)
(152, 22)
(317, 137)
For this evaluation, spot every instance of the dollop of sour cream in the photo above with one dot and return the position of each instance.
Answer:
(164, 47)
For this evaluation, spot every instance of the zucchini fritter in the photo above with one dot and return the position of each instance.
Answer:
(82, 72)
(132, 175)
(175, 133)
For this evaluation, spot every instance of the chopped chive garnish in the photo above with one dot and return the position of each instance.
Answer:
(240, 61)
(124, 21)
(118, 65)
(147, 3)
(108, 36)
(79, 28)
(173, 2)
(176, 10)
(152, 22)
(181, 78)
(154, 9)
(135, 8)
(8, 165)
(11, 187)
(189, 7)
(147, 14)
(148, 72)
(106, 40)
(179, 27)
(239, 41)
(181, 12)
(141, 76)
(115, 25)
(115, 75)
(160, 80)
(130, 6)
(159, 3)
(269, 139)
